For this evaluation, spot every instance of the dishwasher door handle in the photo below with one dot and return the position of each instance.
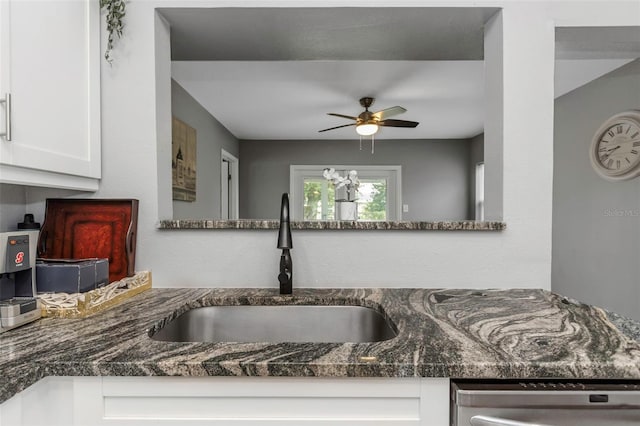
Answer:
(496, 421)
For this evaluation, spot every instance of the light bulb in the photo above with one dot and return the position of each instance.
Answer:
(366, 129)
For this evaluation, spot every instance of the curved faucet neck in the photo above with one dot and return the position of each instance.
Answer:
(284, 234)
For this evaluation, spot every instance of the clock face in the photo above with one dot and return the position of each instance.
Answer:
(615, 149)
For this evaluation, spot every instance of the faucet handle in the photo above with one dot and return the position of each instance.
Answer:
(283, 277)
(286, 273)
(286, 282)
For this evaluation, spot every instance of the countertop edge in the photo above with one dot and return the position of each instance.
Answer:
(334, 225)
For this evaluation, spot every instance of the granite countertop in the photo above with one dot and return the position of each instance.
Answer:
(442, 333)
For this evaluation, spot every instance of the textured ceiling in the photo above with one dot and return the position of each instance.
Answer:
(597, 42)
(291, 99)
(348, 33)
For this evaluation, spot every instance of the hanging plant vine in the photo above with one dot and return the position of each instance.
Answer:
(114, 12)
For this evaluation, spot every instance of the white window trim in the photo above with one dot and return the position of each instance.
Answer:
(297, 174)
(479, 191)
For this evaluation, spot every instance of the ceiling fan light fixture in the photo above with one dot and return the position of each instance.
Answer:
(366, 129)
(368, 123)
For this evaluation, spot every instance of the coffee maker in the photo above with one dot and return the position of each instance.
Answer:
(18, 302)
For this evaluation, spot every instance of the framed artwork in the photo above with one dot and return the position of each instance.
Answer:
(183, 161)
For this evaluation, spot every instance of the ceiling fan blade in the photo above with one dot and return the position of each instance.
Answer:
(337, 127)
(389, 112)
(342, 115)
(398, 123)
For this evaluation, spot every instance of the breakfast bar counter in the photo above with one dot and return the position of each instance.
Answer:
(448, 333)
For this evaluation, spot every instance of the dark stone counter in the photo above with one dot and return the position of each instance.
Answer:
(335, 225)
(515, 333)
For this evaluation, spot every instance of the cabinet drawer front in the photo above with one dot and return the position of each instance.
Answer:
(263, 408)
(264, 400)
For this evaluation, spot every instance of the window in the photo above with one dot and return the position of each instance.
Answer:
(318, 200)
(372, 199)
(313, 197)
(479, 191)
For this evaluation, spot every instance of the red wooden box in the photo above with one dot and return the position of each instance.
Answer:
(85, 228)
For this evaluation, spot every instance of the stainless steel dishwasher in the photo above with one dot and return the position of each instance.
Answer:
(545, 403)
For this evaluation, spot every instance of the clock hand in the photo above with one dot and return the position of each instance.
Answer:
(609, 152)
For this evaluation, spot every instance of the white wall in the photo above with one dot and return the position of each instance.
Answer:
(494, 86)
(596, 223)
(517, 257)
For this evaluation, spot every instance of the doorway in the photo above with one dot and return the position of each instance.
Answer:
(229, 189)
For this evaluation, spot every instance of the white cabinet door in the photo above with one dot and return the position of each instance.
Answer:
(258, 401)
(11, 411)
(47, 402)
(49, 65)
(238, 401)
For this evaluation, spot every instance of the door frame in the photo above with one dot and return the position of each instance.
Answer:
(234, 189)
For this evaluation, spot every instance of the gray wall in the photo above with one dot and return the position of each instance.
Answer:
(596, 223)
(435, 173)
(211, 138)
(12, 206)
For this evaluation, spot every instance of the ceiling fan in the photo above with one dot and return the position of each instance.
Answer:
(368, 123)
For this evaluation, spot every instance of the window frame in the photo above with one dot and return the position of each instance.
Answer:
(393, 174)
(479, 191)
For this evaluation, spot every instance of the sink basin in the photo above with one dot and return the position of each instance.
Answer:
(281, 323)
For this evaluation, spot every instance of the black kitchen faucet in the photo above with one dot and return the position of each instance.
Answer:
(284, 242)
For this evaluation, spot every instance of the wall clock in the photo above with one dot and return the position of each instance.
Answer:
(615, 148)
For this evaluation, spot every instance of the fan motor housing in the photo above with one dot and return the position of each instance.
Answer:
(366, 117)
(366, 102)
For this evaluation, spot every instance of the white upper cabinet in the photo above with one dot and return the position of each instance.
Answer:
(50, 69)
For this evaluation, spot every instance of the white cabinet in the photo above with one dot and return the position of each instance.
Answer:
(50, 67)
(239, 401)
(47, 402)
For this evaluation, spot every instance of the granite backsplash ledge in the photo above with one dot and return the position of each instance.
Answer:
(504, 334)
(336, 225)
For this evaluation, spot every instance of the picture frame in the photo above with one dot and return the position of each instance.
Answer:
(183, 161)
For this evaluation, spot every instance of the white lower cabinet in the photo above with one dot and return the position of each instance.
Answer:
(48, 402)
(241, 401)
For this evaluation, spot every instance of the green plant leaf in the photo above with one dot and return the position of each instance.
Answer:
(114, 14)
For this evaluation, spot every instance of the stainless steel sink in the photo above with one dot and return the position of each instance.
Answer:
(281, 323)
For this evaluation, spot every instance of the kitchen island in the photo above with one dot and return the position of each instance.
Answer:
(442, 334)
